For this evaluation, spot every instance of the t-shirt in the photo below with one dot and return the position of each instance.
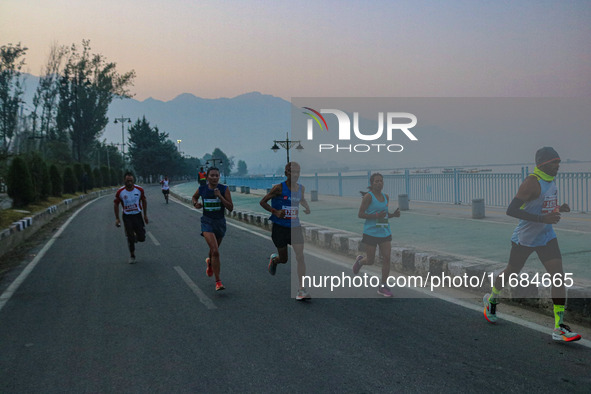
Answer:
(131, 200)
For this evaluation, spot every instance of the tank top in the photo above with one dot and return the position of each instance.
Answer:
(528, 233)
(212, 205)
(377, 227)
(290, 202)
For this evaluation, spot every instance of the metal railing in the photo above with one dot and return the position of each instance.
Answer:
(497, 189)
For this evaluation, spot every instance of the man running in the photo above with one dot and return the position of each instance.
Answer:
(286, 198)
(133, 200)
(165, 188)
(216, 198)
(536, 205)
(202, 175)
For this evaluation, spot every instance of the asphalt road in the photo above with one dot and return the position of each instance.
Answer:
(86, 321)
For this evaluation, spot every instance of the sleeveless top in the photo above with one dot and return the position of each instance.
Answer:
(212, 205)
(290, 203)
(165, 185)
(377, 227)
(528, 233)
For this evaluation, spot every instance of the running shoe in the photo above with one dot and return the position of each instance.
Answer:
(131, 260)
(272, 264)
(303, 295)
(219, 286)
(209, 270)
(490, 309)
(385, 291)
(564, 334)
(357, 265)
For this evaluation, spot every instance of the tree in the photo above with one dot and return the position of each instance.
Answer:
(241, 170)
(39, 176)
(70, 183)
(86, 88)
(20, 185)
(11, 91)
(151, 152)
(56, 181)
(226, 165)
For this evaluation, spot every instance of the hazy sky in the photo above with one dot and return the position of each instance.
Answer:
(320, 48)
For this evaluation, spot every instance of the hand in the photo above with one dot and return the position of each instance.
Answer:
(307, 211)
(280, 213)
(198, 205)
(396, 213)
(146, 219)
(117, 223)
(216, 192)
(551, 218)
(381, 215)
(564, 208)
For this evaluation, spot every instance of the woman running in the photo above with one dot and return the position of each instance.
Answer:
(216, 198)
(376, 230)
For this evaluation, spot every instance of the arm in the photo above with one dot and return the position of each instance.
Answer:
(275, 191)
(396, 213)
(195, 200)
(226, 199)
(528, 191)
(116, 208)
(145, 206)
(304, 202)
(364, 205)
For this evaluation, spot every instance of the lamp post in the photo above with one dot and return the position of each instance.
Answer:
(122, 121)
(179, 145)
(287, 144)
(213, 159)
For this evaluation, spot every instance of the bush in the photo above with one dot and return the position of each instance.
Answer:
(56, 181)
(97, 178)
(70, 182)
(90, 183)
(105, 176)
(19, 183)
(78, 174)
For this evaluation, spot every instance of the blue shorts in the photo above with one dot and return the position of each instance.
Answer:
(215, 226)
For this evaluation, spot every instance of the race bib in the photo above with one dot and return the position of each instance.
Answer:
(382, 222)
(550, 204)
(290, 212)
(212, 204)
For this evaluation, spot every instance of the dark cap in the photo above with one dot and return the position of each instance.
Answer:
(545, 155)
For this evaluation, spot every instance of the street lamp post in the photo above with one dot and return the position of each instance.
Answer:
(179, 146)
(122, 121)
(287, 144)
(213, 159)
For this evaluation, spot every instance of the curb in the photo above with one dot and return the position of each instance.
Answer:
(429, 265)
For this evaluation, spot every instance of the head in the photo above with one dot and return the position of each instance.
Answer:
(292, 171)
(213, 176)
(165, 177)
(128, 180)
(376, 182)
(201, 169)
(547, 160)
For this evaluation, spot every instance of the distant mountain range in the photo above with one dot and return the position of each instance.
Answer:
(451, 132)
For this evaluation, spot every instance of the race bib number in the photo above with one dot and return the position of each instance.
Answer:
(382, 222)
(550, 204)
(290, 212)
(212, 204)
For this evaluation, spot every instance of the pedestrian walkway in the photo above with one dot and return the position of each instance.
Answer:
(441, 228)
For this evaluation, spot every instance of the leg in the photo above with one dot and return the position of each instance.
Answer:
(385, 251)
(130, 234)
(214, 253)
(299, 255)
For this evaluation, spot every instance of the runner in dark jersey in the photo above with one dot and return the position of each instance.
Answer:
(215, 199)
(286, 198)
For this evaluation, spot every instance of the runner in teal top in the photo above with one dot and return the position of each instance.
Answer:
(376, 230)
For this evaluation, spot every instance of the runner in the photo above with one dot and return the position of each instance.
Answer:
(165, 188)
(202, 177)
(215, 197)
(133, 200)
(285, 200)
(376, 230)
(536, 205)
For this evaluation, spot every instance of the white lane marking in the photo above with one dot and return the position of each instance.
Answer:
(153, 238)
(205, 300)
(29, 268)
